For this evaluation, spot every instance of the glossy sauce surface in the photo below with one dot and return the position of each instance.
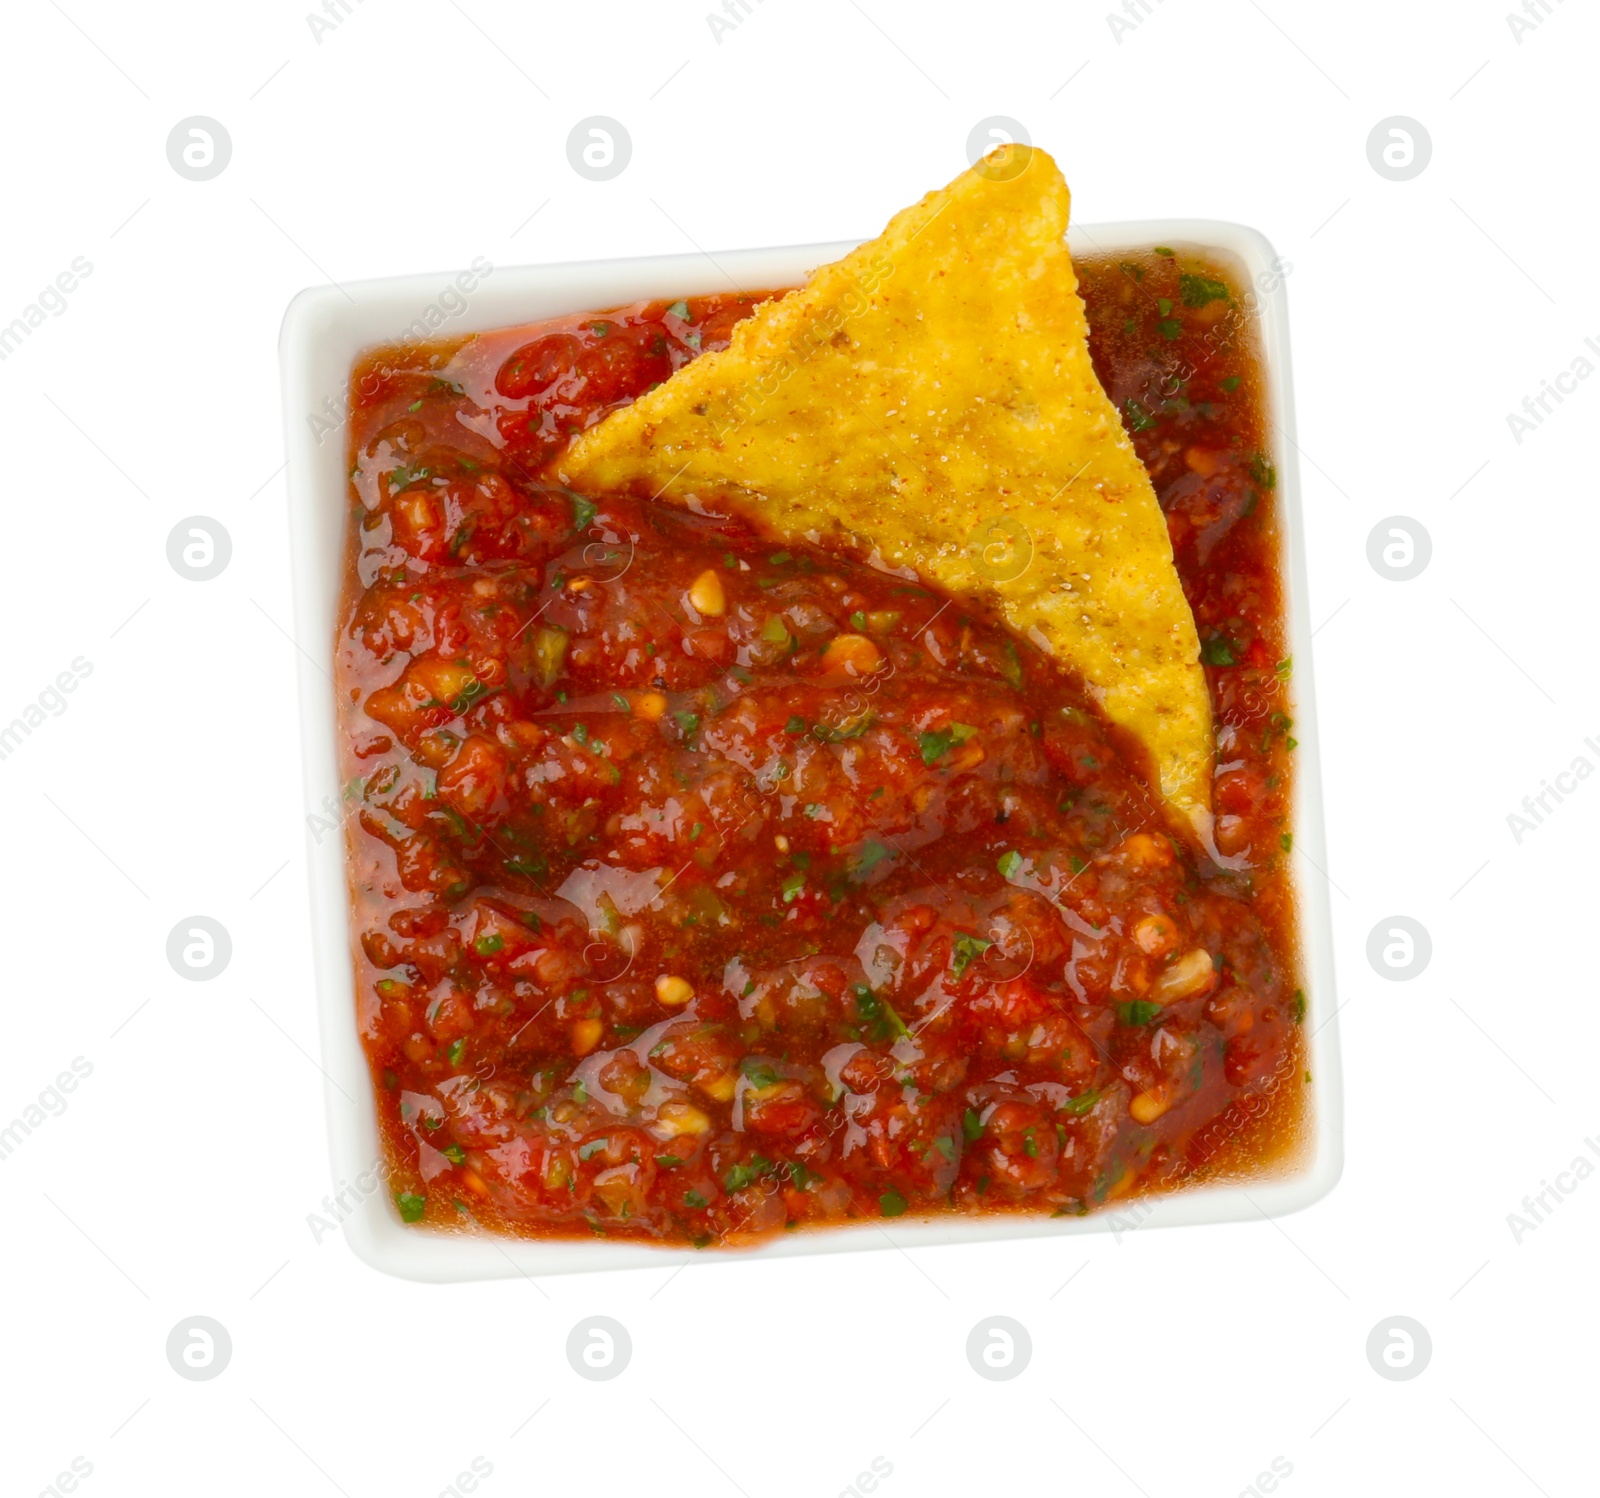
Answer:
(704, 889)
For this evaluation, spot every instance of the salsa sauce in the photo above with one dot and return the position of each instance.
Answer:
(705, 888)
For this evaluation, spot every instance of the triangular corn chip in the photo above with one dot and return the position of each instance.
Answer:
(929, 398)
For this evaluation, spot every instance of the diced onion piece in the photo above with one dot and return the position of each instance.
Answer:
(1147, 1107)
(676, 1117)
(1142, 850)
(853, 655)
(1155, 935)
(549, 655)
(719, 1089)
(706, 593)
(1193, 973)
(673, 990)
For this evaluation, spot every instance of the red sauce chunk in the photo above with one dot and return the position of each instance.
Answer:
(705, 888)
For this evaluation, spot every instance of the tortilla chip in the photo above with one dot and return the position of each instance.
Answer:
(929, 399)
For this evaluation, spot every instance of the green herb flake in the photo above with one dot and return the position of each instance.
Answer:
(741, 1175)
(1262, 471)
(891, 1204)
(877, 1013)
(965, 949)
(864, 862)
(1011, 665)
(935, 745)
(1197, 291)
(404, 476)
(411, 1205)
(1138, 1012)
(759, 1074)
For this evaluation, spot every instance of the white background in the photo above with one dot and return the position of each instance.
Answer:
(415, 136)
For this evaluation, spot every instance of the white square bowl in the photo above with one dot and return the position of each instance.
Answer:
(324, 330)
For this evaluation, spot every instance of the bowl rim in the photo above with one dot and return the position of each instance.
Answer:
(324, 328)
